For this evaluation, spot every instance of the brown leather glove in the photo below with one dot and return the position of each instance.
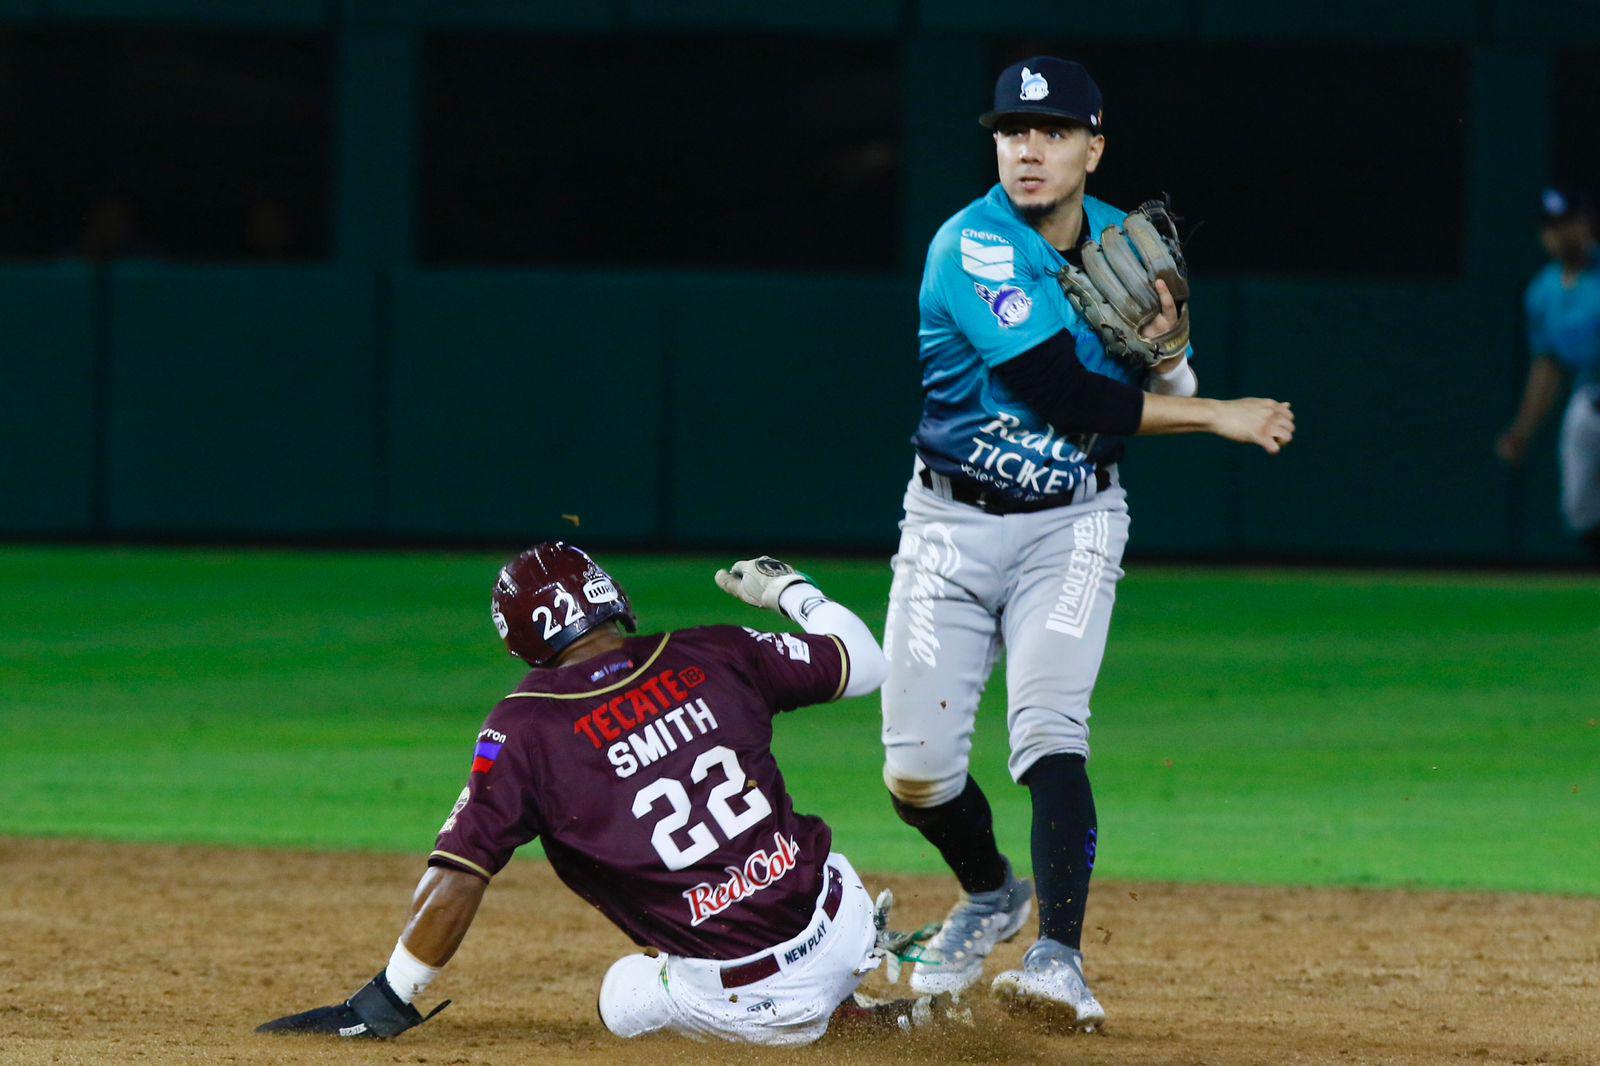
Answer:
(1115, 290)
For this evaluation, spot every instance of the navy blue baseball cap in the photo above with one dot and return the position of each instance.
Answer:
(1560, 202)
(1046, 87)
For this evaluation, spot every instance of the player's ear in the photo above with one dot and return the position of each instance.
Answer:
(1096, 148)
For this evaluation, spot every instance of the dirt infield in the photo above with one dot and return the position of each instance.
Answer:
(157, 954)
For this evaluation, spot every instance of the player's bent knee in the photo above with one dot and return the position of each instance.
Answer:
(632, 999)
(920, 792)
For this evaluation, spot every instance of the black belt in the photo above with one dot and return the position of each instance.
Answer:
(748, 973)
(993, 503)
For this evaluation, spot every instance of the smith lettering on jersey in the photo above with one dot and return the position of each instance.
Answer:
(655, 793)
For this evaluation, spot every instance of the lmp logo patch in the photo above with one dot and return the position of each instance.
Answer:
(1010, 304)
(992, 262)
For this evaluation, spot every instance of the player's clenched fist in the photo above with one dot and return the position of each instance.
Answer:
(758, 582)
(1255, 421)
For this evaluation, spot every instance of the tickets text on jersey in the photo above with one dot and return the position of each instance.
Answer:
(998, 449)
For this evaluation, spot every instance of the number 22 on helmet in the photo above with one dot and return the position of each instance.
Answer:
(551, 595)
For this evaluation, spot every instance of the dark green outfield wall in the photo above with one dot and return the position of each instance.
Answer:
(370, 398)
(334, 402)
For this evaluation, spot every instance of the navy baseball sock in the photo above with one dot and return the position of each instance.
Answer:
(1064, 831)
(963, 831)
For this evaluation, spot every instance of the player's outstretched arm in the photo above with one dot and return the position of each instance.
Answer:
(777, 586)
(1252, 420)
(442, 909)
(1545, 381)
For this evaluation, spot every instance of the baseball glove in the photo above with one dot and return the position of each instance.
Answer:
(373, 1013)
(1115, 290)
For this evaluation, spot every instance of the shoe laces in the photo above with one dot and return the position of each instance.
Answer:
(963, 928)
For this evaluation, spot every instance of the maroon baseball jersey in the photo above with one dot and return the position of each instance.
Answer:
(648, 773)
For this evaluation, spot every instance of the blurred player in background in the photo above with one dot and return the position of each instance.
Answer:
(644, 764)
(1563, 317)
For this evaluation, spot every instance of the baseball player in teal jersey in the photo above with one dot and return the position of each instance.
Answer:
(1015, 522)
(1563, 310)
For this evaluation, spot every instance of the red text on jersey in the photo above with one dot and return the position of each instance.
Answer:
(634, 706)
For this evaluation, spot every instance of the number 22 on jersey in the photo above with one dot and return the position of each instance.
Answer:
(701, 842)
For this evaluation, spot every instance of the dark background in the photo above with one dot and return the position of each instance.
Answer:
(447, 271)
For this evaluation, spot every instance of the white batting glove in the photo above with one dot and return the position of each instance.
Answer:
(894, 947)
(758, 582)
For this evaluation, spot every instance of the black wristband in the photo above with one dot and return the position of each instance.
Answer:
(384, 1012)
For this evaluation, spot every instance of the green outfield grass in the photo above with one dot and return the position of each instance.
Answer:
(1269, 727)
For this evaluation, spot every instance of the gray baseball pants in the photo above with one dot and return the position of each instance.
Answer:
(968, 585)
(1580, 460)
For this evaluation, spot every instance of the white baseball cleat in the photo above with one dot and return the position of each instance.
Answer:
(1051, 985)
(953, 960)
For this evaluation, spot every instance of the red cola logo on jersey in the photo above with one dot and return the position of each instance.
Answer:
(761, 869)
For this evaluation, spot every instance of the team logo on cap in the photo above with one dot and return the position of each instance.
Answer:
(1034, 87)
(1010, 304)
(1554, 202)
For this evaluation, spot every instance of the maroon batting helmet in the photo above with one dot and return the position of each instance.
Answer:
(551, 595)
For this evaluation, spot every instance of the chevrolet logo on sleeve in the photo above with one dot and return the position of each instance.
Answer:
(992, 262)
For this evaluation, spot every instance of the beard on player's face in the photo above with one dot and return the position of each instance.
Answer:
(1056, 191)
(1034, 213)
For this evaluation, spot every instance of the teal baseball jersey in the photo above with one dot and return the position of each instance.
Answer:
(988, 295)
(1564, 323)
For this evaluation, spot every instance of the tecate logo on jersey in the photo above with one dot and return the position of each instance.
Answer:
(761, 869)
(627, 710)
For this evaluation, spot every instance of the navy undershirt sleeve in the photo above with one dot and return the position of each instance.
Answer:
(1074, 399)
